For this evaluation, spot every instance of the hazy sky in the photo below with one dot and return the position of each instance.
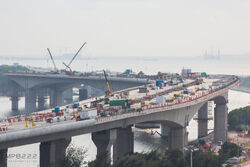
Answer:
(124, 27)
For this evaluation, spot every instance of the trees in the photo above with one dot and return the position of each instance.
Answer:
(230, 150)
(239, 119)
(171, 158)
(74, 156)
(201, 159)
(102, 160)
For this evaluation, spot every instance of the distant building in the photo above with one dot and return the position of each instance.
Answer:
(186, 71)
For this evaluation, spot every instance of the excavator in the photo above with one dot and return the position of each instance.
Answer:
(108, 92)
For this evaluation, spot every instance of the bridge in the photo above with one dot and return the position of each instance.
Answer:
(38, 85)
(115, 127)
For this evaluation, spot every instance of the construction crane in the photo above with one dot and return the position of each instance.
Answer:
(51, 57)
(108, 92)
(68, 65)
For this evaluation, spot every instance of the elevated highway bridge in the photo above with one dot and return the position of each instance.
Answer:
(38, 85)
(115, 128)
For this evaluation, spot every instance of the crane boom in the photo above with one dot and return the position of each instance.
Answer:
(67, 66)
(52, 58)
(108, 92)
(76, 54)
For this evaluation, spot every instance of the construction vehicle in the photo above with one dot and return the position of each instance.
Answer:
(108, 92)
(171, 99)
(68, 65)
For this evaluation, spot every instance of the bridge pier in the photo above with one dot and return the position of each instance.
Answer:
(83, 94)
(56, 97)
(220, 122)
(41, 103)
(14, 97)
(3, 157)
(177, 138)
(164, 129)
(68, 95)
(102, 141)
(51, 98)
(203, 121)
(30, 100)
(124, 142)
(53, 152)
(41, 99)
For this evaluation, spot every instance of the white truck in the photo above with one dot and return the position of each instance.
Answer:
(87, 114)
(160, 100)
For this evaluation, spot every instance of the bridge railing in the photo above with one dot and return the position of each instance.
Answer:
(203, 96)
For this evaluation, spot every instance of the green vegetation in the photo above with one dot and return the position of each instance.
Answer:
(170, 158)
(102, 160)
(74, 156)
(239, 119)
(18, 68)
(209, 159)
(247, 145)
(4, 82)
(229, 150)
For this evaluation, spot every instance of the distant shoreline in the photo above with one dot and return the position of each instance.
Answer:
(242, 89)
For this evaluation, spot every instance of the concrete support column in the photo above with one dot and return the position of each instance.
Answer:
(102, 141)
(56, 97)
(3, 157)
(14, 97)
(203, 121)
(30, 100)
(41, 99)
(124, 142)
(52, 152)
(164, 129)
(177, 138)
(51, 97)
(68, 95)
(83, 94)
(41, 103)
(220, 122)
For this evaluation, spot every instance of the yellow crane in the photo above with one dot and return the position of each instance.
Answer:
(108, 92)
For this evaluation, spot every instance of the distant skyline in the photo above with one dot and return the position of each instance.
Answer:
(124, 27)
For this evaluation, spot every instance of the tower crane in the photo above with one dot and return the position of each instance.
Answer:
(68, 65)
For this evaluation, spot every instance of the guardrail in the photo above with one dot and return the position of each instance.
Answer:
(203, 96)
(171, 106)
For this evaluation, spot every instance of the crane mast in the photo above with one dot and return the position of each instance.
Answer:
(108, 92)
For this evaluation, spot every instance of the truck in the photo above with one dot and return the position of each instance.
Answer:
(124, 103)
(86, 114)
(160, 100)
(160, 83)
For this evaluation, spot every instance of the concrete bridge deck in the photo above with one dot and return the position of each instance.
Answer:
(116, 129)
(38, 85)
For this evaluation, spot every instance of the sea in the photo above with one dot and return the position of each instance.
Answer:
(144, 141)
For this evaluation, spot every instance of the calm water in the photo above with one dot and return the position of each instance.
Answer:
(225, 65)
(143, 140)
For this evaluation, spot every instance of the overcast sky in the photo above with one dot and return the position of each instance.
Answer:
(124, 27)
